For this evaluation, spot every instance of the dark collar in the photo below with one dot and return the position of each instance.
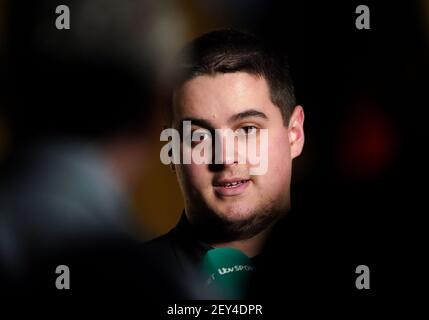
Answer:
(188, 246)
(188, 243)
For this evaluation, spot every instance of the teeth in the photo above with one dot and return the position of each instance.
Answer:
(232, 184)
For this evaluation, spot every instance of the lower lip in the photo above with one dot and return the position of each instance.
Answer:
(231, 191)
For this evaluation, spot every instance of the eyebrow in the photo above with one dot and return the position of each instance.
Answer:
(238, 116)
(199, 122)
(247, 114)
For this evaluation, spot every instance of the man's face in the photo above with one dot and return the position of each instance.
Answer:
(227, 194)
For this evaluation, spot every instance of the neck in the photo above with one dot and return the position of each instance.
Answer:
(250, 247)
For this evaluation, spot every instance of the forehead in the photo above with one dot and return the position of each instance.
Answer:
(218, 97)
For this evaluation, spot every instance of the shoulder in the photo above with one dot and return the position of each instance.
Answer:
(159, 268)
(161, 247)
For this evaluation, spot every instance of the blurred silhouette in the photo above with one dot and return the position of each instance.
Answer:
(79, 104)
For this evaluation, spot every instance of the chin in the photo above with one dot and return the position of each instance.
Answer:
(223, 222)
(234, 213)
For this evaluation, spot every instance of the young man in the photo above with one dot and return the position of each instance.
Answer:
(231, 81)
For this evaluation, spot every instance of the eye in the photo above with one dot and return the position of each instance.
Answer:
(247, 130)
(200, 135)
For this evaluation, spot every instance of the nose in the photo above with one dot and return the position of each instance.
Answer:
(227, 148)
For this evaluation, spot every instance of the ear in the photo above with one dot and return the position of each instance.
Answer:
(296, 131)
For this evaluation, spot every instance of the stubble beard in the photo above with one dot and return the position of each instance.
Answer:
(218, 228)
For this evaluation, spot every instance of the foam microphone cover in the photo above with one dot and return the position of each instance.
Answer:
(227, 272)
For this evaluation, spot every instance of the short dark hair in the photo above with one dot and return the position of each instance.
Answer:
(228, 51)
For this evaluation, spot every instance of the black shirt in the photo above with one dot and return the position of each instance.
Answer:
(173, 261)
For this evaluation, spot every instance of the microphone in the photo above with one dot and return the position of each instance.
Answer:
(227, 272)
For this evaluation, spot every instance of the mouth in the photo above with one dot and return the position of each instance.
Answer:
(231, 187)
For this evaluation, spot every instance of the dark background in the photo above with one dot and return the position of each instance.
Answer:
(359, 185)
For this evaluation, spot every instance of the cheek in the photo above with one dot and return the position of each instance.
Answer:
(279, 160)
(279, 152)
(193, 176)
